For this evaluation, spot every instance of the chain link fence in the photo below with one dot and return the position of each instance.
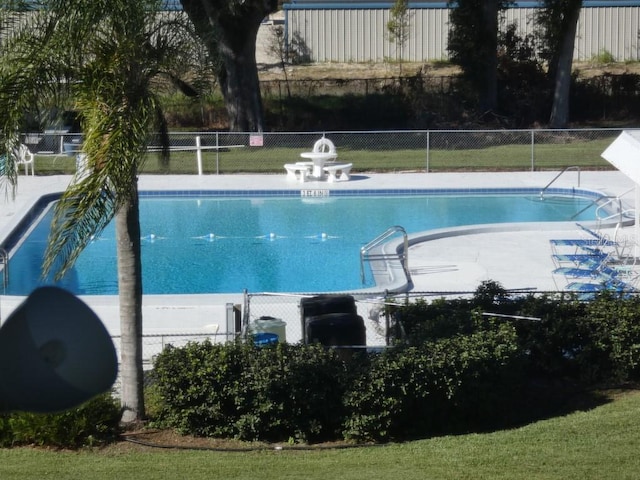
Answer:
(373, 307)
(153, 344)
(378, 151)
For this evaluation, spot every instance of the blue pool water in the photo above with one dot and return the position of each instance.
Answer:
(213, 244)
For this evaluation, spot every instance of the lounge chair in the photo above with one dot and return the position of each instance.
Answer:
(596, 271)
(593, 245)
(619, 244)
(592, 233)
(581, 242)
(577, 259)
(588, 290)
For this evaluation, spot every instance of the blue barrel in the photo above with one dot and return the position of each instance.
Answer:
(264, 339)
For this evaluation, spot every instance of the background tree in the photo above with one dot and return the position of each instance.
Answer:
(104, 57)
(473, 45)
(229, 29)
(278, 49)
(559, 22)
(398, 27)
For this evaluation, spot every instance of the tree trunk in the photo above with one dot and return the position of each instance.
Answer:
(489, 25)
(239, 80)
(229, 29)
(562, 86)
(127, 220)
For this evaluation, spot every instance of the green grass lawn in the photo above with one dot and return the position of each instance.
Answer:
(601, 443)
(584, 154)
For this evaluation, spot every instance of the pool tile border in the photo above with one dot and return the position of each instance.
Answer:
(368, 192)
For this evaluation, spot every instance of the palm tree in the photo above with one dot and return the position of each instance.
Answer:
(105, 58)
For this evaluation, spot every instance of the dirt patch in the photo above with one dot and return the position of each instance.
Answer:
(324, 71)
(145, 440)
(149, 440)
(590, 70)
(319, 71)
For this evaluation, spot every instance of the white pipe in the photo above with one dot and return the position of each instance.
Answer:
(636, 247)
(199, 155)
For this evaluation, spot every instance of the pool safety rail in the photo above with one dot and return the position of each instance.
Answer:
(610, 207)
(614, 203)
(370, 252)
(575, 167)
(4, 265)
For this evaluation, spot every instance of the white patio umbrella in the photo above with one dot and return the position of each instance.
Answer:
(624, 154)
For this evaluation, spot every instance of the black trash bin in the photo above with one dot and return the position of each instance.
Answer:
(335, 329)
(323, 305)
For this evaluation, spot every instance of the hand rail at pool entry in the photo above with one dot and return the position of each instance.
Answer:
(608, 200)
(4, 263)
(575, 167)
(389, 232)
(622, 213)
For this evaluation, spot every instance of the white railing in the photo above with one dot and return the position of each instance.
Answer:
(367, 256)
(558, 176)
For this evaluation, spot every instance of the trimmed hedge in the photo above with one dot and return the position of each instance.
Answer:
(284, 392)
(308, 393)
(456, 384)
(453, 369)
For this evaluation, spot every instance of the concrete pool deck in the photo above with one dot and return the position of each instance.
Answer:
(517, 259)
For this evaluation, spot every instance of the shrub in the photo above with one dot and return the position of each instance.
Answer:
(449, 385)
(610, 351)
(454, 369)
(92, 423)
(238, 390)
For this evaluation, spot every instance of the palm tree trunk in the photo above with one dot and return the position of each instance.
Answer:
(127, 220)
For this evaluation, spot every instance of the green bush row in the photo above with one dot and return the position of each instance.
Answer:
(564, 339)
(457, 365)
(309, 393)
(92, 423)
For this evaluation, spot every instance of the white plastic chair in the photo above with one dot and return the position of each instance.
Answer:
(23, 156)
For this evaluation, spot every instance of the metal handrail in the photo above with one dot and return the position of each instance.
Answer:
(404, 257)
(620, 213)
(609, 200)
(4, 263)
(575, 167)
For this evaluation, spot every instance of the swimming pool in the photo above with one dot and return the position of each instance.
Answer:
(278, 241)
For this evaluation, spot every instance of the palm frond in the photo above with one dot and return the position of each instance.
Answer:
(82, 212)
(104, 55)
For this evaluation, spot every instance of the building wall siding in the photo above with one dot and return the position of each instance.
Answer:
(360, 35)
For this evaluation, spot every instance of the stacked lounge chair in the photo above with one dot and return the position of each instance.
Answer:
(593, 264)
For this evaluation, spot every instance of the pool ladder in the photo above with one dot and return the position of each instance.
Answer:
(558, 176)
(4, 265)
(366, 255)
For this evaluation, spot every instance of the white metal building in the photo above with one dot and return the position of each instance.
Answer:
(355, 31)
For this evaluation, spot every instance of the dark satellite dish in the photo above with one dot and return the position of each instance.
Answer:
(55, 354)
